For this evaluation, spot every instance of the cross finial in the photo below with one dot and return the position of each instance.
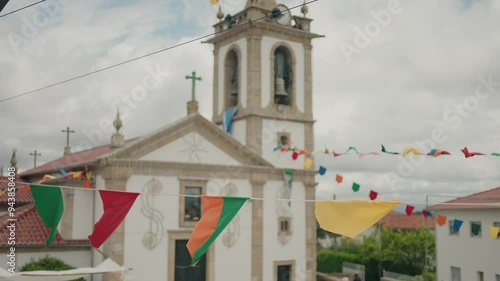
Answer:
(193, 87)
(35, 154)
(13, 159)
(67, 149)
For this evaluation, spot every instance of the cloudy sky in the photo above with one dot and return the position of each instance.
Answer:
(399, 73)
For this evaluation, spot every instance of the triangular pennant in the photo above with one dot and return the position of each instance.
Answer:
(217, 214)
(308, 163)
(351, 217)
(475, 228)
(355, 187)
(373, 195)
(494, 232)
(322, 170)
(441, 220)
(50, 207)
(425, 213)
(457, 224)
(116, 206)
(409, 209)
(339, 178)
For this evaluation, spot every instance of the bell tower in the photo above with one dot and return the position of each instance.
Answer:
(262, 68)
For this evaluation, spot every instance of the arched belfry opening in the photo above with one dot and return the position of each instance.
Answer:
(231, 79)
(283, 76)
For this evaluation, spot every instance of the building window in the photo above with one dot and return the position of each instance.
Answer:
(284, 139)
(475, 229)
(190, 209)
(452, 230)
(231, 79)
(284, 270)
(284, 224)
(283, 76)
(456, 275)
(480, 276)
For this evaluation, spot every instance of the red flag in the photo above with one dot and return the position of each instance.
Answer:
(295, 155)
(373, 195)
(409, 209)
(24, 189)
(338, 178)
(116, 206)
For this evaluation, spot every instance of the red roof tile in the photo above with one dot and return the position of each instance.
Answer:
(401, 221)
(30, 229)
(71, 161)
(485, 200)
(21, 199)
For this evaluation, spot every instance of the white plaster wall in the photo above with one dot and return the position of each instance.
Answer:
(242, 98)
(74, 258)
(239, 131)
(191, 148)
(270, 130)
(470, 254)
(268, 83)
(82, 216)
(153, 264)
(295, 249)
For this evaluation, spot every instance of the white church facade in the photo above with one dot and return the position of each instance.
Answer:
(262, 69)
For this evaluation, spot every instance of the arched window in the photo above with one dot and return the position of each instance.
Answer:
(283, 76)
(231, 79)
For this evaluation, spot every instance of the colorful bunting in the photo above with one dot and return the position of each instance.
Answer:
(475, 228)
(495, 154)
(49, 204)
(437, 152)
(468, 154)
(337, 154)
(213, 2)
(413, 150)
(457, 224)
(426, 213)
(338, 178)
(116, 206)
(373, 195)
(351, 217)
(295, 155)
(24, 190)
(288, 177)
(352, 148)
(494, 232)
(217, 214)
(308, 163)
(441, 220)
(322, 170)
(355, 187)
(409, 210)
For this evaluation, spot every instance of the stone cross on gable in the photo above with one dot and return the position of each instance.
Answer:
(193, 87)
(35, 154)
(67, 149)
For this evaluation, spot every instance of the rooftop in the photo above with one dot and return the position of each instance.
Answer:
(396, 220)
(21, 198)
(31, 231)
(485, 200)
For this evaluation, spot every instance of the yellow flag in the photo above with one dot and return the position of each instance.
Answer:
(213, 2)
(494, 232)
(351, 217)
(308, 163)
(413, 150)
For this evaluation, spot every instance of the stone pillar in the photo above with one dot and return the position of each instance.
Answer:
(192, 107)
(310, 185)
(257, 181)
(115, 179)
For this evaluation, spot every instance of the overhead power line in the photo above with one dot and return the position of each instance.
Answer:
(136, 58)
(22, 8)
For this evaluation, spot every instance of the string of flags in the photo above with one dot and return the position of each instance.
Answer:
(345, 217)
(409, 209)
(354, 151)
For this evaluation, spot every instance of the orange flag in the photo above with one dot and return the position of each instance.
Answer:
(24, 190)
(339, 178)
(441, 220)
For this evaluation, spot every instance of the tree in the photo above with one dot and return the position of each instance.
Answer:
(48, 263)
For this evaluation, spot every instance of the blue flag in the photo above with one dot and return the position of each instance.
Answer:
(227, 119)
(457, 224)
(322, 170)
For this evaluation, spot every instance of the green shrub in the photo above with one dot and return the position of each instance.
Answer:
(48, 263)
(328, 261)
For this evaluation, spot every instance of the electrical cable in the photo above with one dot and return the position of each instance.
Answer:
(22, 8)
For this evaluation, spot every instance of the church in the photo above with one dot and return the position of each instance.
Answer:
(262, 100)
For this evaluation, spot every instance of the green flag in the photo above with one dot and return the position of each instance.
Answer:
(355, 187)
(50, 207)
(475, 228)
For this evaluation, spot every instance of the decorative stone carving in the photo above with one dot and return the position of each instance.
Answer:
(194, 147)
(283, 210)
(155, 233)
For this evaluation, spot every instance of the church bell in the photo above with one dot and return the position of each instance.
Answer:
(279, 87)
